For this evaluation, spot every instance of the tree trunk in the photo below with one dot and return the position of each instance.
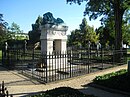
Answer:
(118, 30)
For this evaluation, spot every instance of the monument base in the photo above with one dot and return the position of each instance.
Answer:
(56, 63)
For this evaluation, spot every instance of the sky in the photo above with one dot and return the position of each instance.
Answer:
(25, 12)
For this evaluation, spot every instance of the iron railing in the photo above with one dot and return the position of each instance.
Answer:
(3, 91)
(53, 66)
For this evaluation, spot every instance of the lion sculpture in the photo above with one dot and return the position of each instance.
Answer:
(49, 19)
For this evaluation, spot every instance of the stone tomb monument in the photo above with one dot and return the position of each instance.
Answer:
(53, 38)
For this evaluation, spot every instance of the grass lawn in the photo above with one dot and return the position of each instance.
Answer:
(62, 92)
(119, 80)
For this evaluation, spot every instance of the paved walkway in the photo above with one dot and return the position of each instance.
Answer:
(19, 85)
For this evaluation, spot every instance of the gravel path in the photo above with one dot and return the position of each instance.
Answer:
(19, 85)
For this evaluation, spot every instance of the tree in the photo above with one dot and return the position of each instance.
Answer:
(107, 8)
(14, 30)
(81, 37)
(3, 24)
(34, 34)
(107, 33)
(109, 29)
(87, 33)
(126, 34)
(3, 30)
(126, 28)
(74, 38)
(105, 36)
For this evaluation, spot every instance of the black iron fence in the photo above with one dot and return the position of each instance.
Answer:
(3, 91)
(53, 66)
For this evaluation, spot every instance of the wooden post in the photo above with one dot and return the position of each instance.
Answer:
(129, 67)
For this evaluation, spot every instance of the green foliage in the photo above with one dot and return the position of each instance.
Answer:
(109, 75)
(2, 35)
(62, 92)
(3, 24)
(3, 31)
(14, 30)
(106, 37)
(106, 9)
(96, 8)
(107, 32)
(34, 34)
(126, 28)
(9, 33)
(80, 37)
(116, 80)
(87, 33)
(75, 38)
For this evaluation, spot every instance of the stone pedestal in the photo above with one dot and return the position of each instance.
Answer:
(54, 40)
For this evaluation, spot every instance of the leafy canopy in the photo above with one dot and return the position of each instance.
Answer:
(34, 34)
(97, 8)
(15, 31)
(107, 9)
(82, 36)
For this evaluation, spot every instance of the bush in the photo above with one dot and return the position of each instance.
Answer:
(116, 80)
(110, 75)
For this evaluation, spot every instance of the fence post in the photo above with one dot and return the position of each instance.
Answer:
(33, 53)
(32, 68)
(113, 54)
(3, 56)
(129, 67)
(125, 56)
(8, 59)
(17, 54)
(102, 56)
(7, 93)
(88, 59)
(46, 59)
(71, 54)
(3, 88)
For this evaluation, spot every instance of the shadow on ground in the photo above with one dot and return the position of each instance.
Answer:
(60, 92)
(89, 91)
(100, 92)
